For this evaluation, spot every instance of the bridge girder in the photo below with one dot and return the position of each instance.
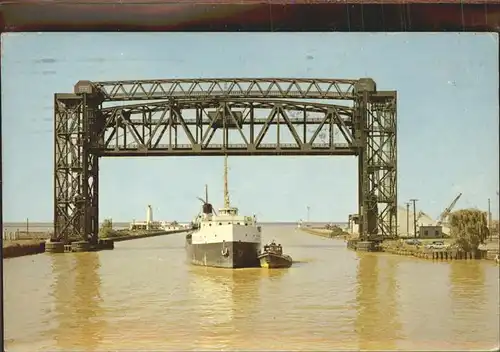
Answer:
(208, 88)
(181, 118)
(154, 129)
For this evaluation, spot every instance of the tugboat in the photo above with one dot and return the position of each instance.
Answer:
(226, 239)
(272, 257)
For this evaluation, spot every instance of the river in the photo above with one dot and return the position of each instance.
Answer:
(143, 296)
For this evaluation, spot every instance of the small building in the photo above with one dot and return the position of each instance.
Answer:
(144, 225)
(149, 224)
(173, 225)
(430, 231)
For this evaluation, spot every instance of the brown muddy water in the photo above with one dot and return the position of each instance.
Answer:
(143, 296)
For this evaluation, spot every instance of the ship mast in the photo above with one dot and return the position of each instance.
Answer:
(226, 191)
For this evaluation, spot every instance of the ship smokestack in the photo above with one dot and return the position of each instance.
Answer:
(207, 207)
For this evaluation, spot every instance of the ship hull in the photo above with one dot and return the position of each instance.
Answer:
(230, 255)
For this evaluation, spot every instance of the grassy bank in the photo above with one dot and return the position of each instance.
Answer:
(18, 248)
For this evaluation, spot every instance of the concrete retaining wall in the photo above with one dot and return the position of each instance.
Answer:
(20, 248)
(144, 235)
(449, 254)
(317, 232)
(12, 250)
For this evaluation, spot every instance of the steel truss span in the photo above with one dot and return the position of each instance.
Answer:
(208, 88)
(195, 117)
(243, 126)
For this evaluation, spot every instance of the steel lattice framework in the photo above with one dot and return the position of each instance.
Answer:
(193, 117)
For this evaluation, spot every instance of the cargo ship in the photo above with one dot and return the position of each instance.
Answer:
(223, 239)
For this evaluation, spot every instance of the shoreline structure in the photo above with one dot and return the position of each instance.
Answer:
(487, 251)
(23, 247)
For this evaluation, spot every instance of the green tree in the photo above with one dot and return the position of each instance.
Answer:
(468, 228)
(106, 229)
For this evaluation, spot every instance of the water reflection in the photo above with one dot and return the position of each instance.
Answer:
(78, 314)
(377, 323)
(389, 303)
(336, 300)
(468, 301)
(226, 301)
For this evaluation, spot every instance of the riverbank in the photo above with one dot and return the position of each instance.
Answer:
(421, 251)
(491, 246)
(19, 248)
(328, 233)
(126, 235)
(317, 232)
(404, 249)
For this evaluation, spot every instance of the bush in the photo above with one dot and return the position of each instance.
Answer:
(106, 229)
(337, 231)
(468, 228)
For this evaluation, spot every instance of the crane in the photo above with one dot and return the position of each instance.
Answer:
(448, 210)
(419, 215)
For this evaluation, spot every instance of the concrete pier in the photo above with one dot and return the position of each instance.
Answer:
(103, 244)
(81, 246)
(363, 246)
(28, 247)
(54, 247)
(78, 246)
(12, 249)
(366, 246)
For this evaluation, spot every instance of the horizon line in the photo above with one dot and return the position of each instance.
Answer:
(180, 221)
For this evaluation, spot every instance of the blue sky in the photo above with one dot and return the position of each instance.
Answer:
(447, 120)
